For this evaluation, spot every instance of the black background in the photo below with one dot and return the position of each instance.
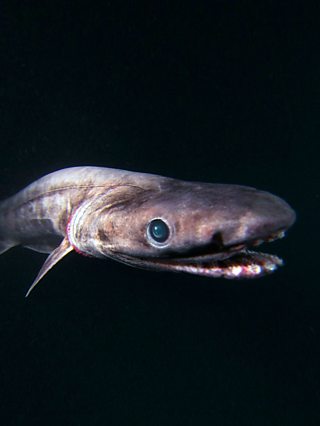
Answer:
(219, 91)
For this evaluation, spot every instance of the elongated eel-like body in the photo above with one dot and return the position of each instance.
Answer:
(147, 221)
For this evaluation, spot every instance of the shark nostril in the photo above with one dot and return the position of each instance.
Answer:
(217, 240)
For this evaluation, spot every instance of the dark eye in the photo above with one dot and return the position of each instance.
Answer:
(158, 230)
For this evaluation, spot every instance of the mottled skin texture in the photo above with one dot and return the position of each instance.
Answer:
(105, 212)
(40, 212)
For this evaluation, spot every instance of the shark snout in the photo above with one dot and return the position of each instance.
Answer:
(260, 218)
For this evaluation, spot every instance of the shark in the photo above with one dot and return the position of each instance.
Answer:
(146, 221)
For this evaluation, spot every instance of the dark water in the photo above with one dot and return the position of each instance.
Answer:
(221, 92)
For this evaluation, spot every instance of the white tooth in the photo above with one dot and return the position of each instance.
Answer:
(270, 266)
(236, 270)
(254, 269)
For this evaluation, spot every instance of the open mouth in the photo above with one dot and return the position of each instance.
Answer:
(237, 261)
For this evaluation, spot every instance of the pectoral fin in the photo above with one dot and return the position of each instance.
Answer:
(63, 249)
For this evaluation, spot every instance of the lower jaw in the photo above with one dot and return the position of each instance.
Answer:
(243, 264)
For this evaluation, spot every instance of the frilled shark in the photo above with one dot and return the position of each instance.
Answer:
(147, 221)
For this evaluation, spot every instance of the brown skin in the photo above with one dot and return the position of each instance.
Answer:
(108, 213)
(203, 220)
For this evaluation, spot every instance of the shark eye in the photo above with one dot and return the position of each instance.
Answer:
(158, 231)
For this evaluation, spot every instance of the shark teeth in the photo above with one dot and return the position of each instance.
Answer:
(244, 264)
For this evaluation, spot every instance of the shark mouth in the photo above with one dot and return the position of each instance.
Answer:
(233, 262)
(243, 264)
